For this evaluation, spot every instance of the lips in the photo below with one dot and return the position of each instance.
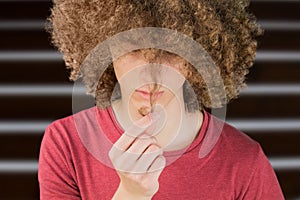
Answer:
(146, 95)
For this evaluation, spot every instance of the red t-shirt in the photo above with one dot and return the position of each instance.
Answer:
(74, 164)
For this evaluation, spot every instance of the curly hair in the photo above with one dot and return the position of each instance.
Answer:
(224, 28)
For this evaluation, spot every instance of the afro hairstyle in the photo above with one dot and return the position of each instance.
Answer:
(224, 28)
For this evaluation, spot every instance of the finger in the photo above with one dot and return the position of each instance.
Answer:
(124, 163)
(147, 158)
(129, 158)
(157, 166)
(138, 128)
(142, 124)
(126, 140)
(140, 144)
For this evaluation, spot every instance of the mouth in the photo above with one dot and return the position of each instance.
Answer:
(146, 95)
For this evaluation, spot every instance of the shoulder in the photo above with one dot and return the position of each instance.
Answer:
(239, 141)
(67, 127)
(234, 144)
(243, 160)
(233, 137)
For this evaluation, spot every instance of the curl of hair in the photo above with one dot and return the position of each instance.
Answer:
(224, 28)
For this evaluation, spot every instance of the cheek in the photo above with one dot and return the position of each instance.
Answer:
(174, 80)
(181, 80)
(120, 70)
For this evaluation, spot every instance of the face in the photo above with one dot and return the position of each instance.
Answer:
(145, 84)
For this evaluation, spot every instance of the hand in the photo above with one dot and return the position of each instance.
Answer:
(138, 160)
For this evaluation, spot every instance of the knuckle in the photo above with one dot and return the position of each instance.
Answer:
(143, 122)
(162, 161)
(153, 148)
(153, 139)
(112, 153)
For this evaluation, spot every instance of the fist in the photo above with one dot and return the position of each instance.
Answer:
(138, 158)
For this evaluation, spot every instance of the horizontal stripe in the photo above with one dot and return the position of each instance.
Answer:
(38, 56)
(272, 1)
(37, 25)
(283, 163)
(31, 56)
(277, 56)
(14, 25)
(272, 25)
(271, 89)
(25, 1)
(251, 125)
(256, 1)
(41, 90)
(57, 90)
(31, 166)
(265, 125)
(23, 127)
(18, 166)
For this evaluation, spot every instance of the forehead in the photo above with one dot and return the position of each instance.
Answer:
(145, 56)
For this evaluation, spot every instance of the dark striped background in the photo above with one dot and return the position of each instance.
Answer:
(34, 90)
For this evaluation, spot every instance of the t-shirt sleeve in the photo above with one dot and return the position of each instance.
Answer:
(263, 184)
(55, 173)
